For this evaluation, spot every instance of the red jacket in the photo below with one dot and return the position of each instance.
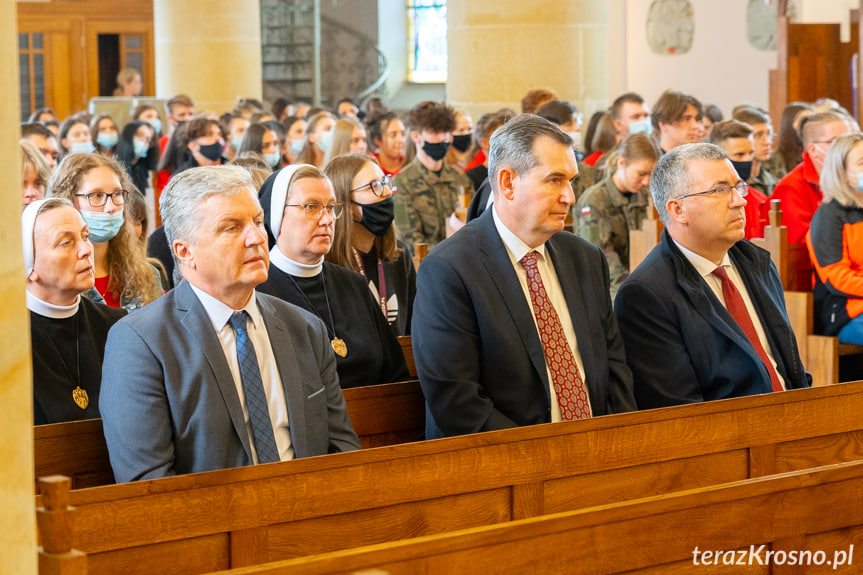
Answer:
(757, 209)
(801, 195)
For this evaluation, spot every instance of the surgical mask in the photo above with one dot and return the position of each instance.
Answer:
(859, 185)
(744, 169)
(297, 146)
(82, 147)
(436, 151)
(272, 159)
(378, 217)
(462, 142)
(212, 152)
(103, 225)
(156, 123)
(576, 138)
(640, 126)
(140, 148)
(326, 141)
(107, 140)
(236, 142)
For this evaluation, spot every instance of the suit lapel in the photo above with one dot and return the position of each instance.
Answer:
(197, 323)
(287, 362)
(504, 278)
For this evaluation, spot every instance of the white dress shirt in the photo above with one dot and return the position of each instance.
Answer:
(220, 316)
(705, 269)
(517, 249)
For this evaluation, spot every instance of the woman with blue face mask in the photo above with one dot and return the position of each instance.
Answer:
(295, 137)
(835, 242)
(264, 141)
(319, 139)
(105, 134)
(138, 152)
(75, 137)
(98, 186)
(149, 114)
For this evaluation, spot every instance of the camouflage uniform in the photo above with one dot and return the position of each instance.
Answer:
(587, 176)
(764, 183)
(604, 216)
(425, 200)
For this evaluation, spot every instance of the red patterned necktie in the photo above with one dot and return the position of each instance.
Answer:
(568, 385)
(737, 309)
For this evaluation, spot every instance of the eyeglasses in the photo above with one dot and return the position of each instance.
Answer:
(741, 188)
(315, 211)
(377, 186)
(99, 199)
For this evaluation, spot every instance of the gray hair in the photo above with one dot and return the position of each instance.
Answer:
(511, 145)
(834, 180)
(671, 179)
(186, 191)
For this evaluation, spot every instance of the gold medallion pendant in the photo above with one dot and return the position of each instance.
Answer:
(339, 347)
(80, 397)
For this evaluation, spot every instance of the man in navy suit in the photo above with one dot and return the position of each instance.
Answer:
(703, 316)
(213, 374)
(513, 324)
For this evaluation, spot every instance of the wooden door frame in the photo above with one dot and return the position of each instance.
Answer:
(64, 64)
(144, 29)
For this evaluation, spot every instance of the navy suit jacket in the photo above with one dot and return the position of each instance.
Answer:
(682, 344)
(478, 354)
(169, 403)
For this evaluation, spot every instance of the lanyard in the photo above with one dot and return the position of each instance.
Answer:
(382, 282)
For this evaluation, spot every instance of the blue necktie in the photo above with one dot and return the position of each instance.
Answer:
(256, 400)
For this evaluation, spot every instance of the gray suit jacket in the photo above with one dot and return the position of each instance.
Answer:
(169, 404)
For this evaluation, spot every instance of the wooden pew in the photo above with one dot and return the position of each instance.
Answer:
(236, 517)
(784, 521)
(408, 351)
(381, 415)
(643, 240)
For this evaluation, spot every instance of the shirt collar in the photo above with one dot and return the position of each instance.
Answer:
(45, 309)
(220, 313)
(293, 267)
(517, 248)
(702, 265)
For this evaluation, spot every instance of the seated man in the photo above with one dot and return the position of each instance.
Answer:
(630, 115)
(512, 321)
(762, 143)
(428, 188)
(67, 331)
(676, 120)
(214, 375)
(735, 138)
(799, 190)
(44, 139)
(703, 317)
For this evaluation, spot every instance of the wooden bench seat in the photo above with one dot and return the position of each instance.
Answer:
(381, 415)
(793, 516)
(235, 517)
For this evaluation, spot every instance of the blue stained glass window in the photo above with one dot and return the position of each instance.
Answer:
(427, 28)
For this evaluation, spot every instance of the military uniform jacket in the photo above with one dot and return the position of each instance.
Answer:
(605, 215)
(424, 201)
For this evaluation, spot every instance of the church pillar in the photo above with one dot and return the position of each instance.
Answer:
(18, 517)
(209, 50)
(501, 49)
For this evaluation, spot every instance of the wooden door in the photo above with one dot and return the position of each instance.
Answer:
(136, 51)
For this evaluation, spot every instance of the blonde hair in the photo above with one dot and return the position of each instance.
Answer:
(130, 275)
(344, 133)
(834, 177)
(307, 154)
(32, 159)
(635, 147)
(126, 76)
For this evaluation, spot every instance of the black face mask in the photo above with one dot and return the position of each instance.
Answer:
(212, 152)
(462, 143)
(744, 169)
(436, 151)
(378, 217)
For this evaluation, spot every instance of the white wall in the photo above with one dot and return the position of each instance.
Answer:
(828, 11)
(721, 68)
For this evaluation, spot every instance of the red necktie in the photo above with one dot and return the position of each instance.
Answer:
(737, 309)
(568, 385)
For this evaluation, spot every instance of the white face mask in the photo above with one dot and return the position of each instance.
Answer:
(640, 126)
(576, 138)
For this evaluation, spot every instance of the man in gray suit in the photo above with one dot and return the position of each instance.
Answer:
(214, 375)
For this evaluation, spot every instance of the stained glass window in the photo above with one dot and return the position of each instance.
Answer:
(427, 29)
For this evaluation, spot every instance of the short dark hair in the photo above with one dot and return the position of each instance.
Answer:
(671, 106)
(434, 116)
(557, 111)
(627, 98)
(35, 129)
(377, 123)
(179, 100)
(751, 116)
(512, 144)
(729, 129)
(713, 113)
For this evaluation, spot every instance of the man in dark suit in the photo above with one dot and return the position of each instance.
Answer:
(703, 317)
(214, 375)
(513, 324)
